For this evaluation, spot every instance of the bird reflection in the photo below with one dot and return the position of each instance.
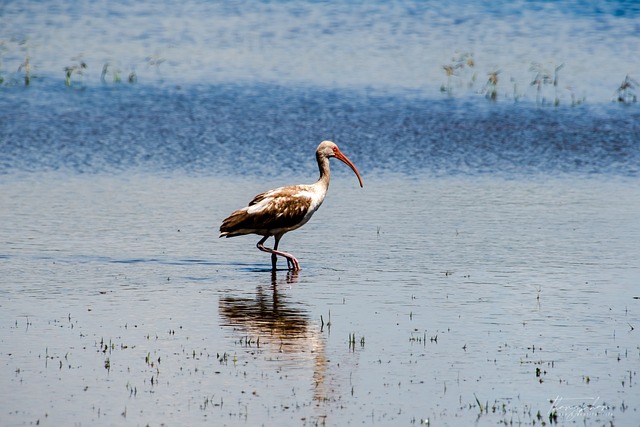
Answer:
(276, 325)
(269, 312)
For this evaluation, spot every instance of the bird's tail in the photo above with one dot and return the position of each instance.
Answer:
(232, 224)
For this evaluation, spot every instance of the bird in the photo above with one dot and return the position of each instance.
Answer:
(278, 211)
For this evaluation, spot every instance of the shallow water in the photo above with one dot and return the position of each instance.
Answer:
(121, 305)
(401, 45)
(487, 273)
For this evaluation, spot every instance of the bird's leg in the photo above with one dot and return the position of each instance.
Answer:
(292, 262)
(274, 258)
(295, 265)
(274, 253)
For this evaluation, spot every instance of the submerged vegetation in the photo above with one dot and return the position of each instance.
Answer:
(461, 73)
(74, 73)
(75, 69)
(114, 72)
(461, 77)
(545, 80)
(26, 68)
(543, 77)
(627, 91)
(461, 68)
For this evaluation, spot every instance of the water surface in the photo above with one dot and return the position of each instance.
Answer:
(120, 305)
(401, 45)
(487, 273)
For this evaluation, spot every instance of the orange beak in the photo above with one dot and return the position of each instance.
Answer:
(344, 159)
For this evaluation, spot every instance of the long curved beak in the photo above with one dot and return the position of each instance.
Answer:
(348, 162)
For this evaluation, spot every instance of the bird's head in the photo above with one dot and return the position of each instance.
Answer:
(329, 149)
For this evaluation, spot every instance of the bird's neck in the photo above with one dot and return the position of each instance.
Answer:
(325, 173)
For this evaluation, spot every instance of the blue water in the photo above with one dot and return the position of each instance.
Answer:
(273, 130)
(252, 87)
(383, 45)
(490, 236)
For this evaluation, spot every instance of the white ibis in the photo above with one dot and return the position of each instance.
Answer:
(276, 212)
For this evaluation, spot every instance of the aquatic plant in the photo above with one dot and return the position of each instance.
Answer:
(449, 70)
(491, 87)
(575, 100)
(3, 49)
(458, 62)
(115, 74)
(516, 92)
(626, 91)
(555, 82)
(26, 66)
(75, 69)
(482, 408)
(352, 342)
(543, 77)
(328, 323)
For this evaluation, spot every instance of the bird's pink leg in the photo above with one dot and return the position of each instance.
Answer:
(292, 262)
(295, 265)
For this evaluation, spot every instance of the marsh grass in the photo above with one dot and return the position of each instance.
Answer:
(3, 50)
(544, 78)
(352, 342)
(19, 48)
(26, 67)
(460, 70)
(461, 73)
(113, 73)
(491, 87)
(626, 92)
(73, 73)
(545, 81)
(74, 70)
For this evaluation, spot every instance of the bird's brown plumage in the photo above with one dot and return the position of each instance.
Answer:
(276, 212)
(284, 209)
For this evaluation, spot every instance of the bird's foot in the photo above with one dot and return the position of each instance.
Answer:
(292, 262)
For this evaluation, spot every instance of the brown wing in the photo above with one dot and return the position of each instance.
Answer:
(277, 209)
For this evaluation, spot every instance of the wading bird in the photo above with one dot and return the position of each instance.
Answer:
(276, 212)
